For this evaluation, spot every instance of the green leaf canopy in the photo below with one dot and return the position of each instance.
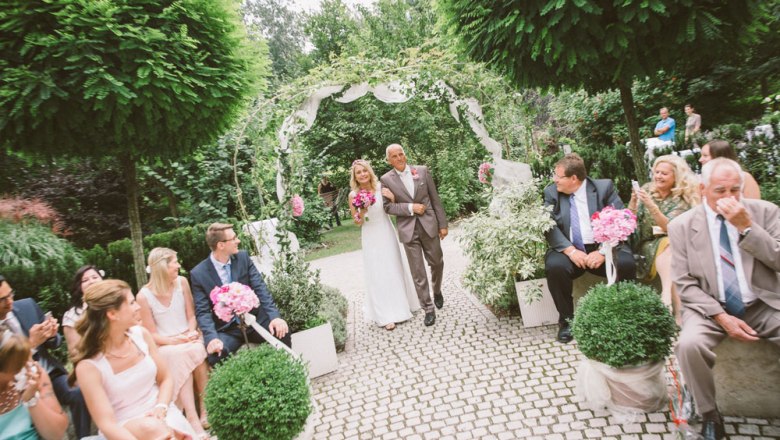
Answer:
(137, 77)
(594, 44)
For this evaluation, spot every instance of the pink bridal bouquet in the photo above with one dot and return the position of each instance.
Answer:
(610, 227)
(234, 299)
(363, 200)
(485, 173)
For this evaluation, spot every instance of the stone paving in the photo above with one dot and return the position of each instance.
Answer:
(471, 375)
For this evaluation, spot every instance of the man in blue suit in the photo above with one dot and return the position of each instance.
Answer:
(26, 318)
(224, 265)
(574, 197)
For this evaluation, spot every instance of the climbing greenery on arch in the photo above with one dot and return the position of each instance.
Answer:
(429, 72)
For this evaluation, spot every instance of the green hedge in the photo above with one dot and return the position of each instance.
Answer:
(117, 257)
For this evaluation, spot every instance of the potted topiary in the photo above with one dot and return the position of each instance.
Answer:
(259, 393)
(625, 332)
(506, 246)
(298, 294)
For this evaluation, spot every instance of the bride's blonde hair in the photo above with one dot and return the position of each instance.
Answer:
(353, 183)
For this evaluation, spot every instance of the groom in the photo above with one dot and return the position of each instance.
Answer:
(224, 265)
(421, 224)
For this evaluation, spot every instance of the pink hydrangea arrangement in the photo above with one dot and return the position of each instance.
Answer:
(363, 199)
(485, 173)
(612, 225)
(233, 299)
(297, 206)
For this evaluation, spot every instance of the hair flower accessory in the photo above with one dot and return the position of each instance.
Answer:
(148, 269)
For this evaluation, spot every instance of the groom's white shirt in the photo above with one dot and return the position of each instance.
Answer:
(408, 181)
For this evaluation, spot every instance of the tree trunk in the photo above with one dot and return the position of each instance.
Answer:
(636, 148)
(136, 236)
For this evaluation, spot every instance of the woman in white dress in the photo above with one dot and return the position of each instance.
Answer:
(124, 380)
(390, 294)
(168, 312)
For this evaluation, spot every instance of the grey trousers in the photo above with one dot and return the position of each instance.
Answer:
(700, 335)
(430, 247)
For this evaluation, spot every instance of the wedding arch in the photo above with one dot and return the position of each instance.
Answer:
(394, 92)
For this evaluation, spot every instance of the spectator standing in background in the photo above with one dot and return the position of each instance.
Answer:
(693, 123)
(664, 129)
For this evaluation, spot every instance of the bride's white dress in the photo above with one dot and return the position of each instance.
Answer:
(390, 293)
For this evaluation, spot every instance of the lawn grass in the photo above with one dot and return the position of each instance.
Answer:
(341, 239)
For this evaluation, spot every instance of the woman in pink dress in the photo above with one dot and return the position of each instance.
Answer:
(168, 312)
(125, 383)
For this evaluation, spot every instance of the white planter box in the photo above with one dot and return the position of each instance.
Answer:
(542, 312)
(317, 349)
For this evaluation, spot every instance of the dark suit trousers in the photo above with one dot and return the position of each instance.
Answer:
(561, 273)
(700, 335)
(73, 399)
(232, 339)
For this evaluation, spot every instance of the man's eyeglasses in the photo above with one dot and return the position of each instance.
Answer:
(555, 176)
(8, 297)
(229, 239)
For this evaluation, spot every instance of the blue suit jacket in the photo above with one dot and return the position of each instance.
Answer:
(29, 313)
(204, 278)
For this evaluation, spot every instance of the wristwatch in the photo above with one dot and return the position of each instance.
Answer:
(745, 232)
(33, 400)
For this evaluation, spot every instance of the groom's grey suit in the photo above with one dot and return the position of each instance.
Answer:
(418, 233)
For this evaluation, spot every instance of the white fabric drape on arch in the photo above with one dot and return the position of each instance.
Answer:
(396, 92)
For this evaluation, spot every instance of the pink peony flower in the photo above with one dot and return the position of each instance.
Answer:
(612, 225)
(297, 206)
(233, 299)
(485, 173)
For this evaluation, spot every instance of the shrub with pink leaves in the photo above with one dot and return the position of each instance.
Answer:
(18, 210)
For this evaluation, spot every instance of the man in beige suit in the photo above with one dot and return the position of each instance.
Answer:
(725, 264)
(421, 224)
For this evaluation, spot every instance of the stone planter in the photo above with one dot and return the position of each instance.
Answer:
(317, 349)
(541, 312)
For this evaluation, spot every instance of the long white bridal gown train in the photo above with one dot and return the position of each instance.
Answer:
(390, 293)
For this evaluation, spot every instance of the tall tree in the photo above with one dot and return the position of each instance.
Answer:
(391, 26)
(282, 29)
(329, 29)
(132, 79)
(598, 44)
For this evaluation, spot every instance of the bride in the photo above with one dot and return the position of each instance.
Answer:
(390, 294)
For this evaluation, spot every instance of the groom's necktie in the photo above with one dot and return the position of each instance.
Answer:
(576, 233)
(733, 305)
(229, 274)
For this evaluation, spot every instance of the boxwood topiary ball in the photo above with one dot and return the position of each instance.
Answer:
(258, 393)
(624, 324)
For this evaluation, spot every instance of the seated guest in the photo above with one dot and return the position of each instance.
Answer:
(225, 265)
(125, 383)
(672, 191)
(28, 408)
(85, 277)
(717, 148)
(574, 198)
(725, 264)
(25, 317)
(168, 313)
